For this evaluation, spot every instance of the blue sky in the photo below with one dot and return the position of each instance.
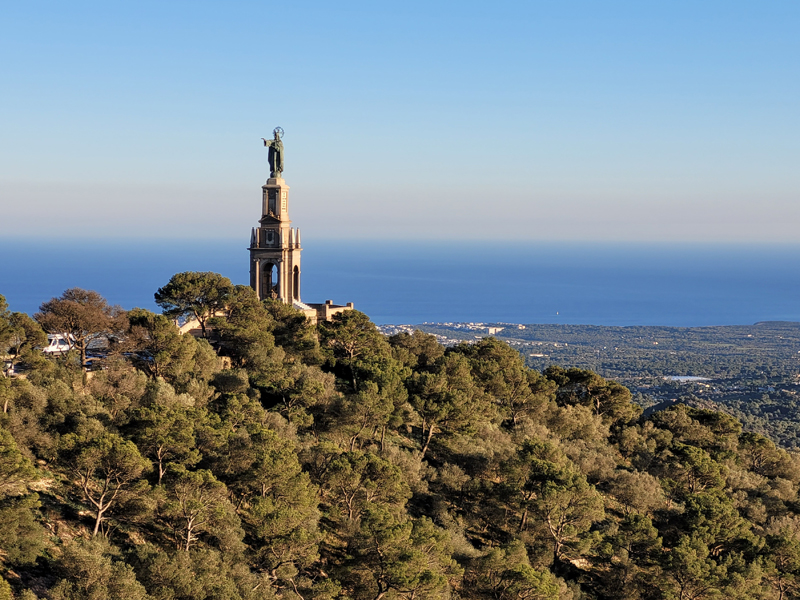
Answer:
(667, 121)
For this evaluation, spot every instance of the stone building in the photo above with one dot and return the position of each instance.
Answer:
(275, 254)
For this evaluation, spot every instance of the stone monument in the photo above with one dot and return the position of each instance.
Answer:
(275, 244)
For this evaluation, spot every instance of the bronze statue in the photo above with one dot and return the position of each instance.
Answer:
(275, 155)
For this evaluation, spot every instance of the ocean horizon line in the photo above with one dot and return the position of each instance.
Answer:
(49, 238)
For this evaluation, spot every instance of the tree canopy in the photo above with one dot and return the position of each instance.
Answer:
(278, 460)
(194, 294)
(81, 316)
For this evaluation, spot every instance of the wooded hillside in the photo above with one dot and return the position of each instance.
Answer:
(276, 459)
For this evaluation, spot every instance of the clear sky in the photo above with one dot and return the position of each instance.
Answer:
(547, 120)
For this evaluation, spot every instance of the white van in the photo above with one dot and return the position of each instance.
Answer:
(58, 343)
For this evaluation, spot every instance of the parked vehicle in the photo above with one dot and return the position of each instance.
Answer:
(58, 343)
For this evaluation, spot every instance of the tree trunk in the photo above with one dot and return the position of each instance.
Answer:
(296, 591)
(189, 528)
(353, 376)
(523, 522)
(161, 468)
(98, 520)
(381, 592)
(354, 439)
(202, 320)
(427, 441)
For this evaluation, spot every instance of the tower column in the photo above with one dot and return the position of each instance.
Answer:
(255, 274)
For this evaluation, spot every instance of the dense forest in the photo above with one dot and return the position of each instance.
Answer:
(271, 458)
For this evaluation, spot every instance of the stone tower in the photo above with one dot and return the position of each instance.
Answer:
(275, 246)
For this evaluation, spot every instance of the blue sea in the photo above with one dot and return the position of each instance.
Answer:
(415, 282)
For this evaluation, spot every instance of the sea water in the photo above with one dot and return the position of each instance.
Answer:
(416, 282)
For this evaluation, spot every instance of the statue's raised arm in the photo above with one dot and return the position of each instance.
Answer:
(275, 155)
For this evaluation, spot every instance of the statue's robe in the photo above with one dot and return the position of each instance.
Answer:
(275, 156)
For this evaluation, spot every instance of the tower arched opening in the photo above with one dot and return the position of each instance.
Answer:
(270, 281)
